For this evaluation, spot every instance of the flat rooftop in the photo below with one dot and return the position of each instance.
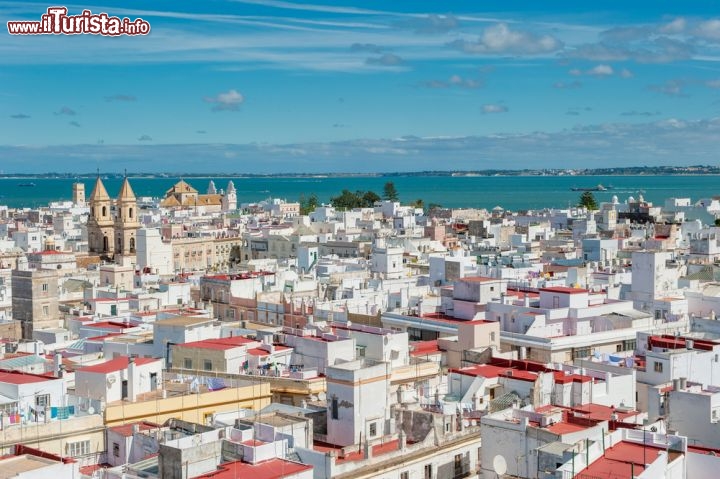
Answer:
(270, 469)
(13, 466)
(623, 460)
(183, 321)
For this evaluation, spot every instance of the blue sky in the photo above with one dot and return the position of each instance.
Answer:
(275, 86)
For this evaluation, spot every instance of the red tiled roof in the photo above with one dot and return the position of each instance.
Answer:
(127, 429)
(253, 443)
(564, 290)
(220, 344)
(117, 364)
(108, 325)
(565, 428)
(262, 352)
(422, 348)
(88, 470)
(356, 455)
(623, 460)
(478, 279)
(17, 377)
(271, 469)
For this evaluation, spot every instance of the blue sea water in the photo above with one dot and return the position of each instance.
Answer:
(509, 192)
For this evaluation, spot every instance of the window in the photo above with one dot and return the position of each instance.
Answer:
(492, 288)
(428, 471)
(373, 429)
(207, 365)
(618, 348)
(116, 449)
(45, 287)
(657, 314)
(80, 448)
(458, 463)
(46, 311)
(658, 367)
(579, 353)
(42, 400)
(629, 345)
(188, 363)
(405, 475)
(334, 408)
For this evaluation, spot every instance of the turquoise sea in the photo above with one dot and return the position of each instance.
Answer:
(510, 192)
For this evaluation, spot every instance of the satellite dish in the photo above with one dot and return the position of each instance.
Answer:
(91, 410)
(499, 465)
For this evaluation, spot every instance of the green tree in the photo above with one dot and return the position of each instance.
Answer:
(587, 199)
(308, 205)
(418, 203)
(389, 191)
(717, 221)
(369, 199)
(346, 200)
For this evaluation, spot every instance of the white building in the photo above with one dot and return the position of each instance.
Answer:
(121, 378)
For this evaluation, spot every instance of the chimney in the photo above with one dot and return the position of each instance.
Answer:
(135, 428)
(131, 379)
(683, 383)
(676, 384)
(689, 343)
(402, 440)
(368, 449)
(57, 365)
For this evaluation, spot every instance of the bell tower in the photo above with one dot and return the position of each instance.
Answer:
(126, 222)
(100, 221)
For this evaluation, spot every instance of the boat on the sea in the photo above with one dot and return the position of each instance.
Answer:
(594, 188)
(26, 184)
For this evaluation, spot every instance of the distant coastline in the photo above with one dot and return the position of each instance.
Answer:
(694, 170)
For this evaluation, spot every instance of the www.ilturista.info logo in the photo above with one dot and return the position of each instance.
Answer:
(57, 22)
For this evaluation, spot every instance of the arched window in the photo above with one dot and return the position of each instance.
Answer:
(130, 212)
(132, 244)
(92, 211)
(104, 211)
(105, 243)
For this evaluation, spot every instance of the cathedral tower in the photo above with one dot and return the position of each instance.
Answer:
(126, 222)
(100, 221)
(229, 200)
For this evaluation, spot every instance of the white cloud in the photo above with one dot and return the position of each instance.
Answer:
(227, 101)
(456, 81)
(670, 88)
(709, 29)
(601, 70)
(674, 27)
(494, 108)
(500, 39)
